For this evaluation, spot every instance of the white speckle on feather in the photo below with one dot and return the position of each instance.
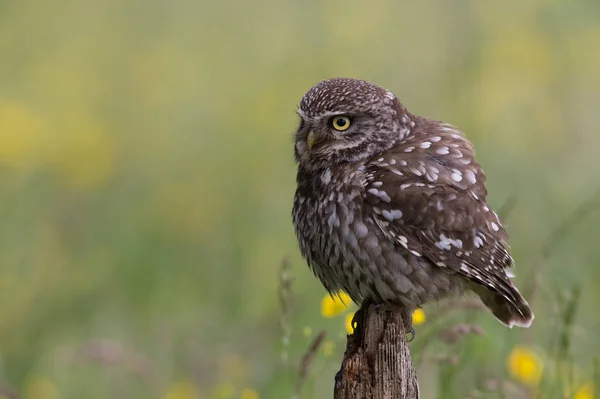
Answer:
(495, 226)
(443, 243)
(333, 221)
(392, 215)
(377, 184)
(425, 144)
(435, 139)
(456, 175)
(432, 173)
(446, 242)
(382, 195)
(361, 230)
(443, 150)
(409, 149)
(470, 176)
(478, 242)
(326, 176)
(456, 243)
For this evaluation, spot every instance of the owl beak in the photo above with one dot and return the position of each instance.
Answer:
(311, 139)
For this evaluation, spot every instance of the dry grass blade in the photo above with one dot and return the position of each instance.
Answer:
(286, 295)
(563, 229)
(597, 377)
(307, 360)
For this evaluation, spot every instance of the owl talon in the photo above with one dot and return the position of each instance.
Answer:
(412, 333)
(355, 318)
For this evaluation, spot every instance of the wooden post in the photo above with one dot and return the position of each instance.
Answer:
(377, 362)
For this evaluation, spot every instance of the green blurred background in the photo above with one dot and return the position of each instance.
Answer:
(147, 176)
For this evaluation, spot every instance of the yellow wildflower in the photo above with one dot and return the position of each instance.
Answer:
(349, 326)
(20, 133)
(585, 392)
(223, 391)
(334, 305)
(40, 388)
(182, 390)
(418, 317)
(328, 347)
(525, 365)
(249, 394)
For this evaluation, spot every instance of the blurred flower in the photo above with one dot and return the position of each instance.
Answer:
(525, 365)
(183, 390)
(333, 305)
(20, 136)
(249, 394)
(418, 317)
(40, 388)
(328, 347)
(223, 391)
(585, 392)
(349, 326)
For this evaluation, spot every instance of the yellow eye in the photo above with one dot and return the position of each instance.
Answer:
(340, 123)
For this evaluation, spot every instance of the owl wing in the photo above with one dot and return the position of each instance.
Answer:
(429, 197)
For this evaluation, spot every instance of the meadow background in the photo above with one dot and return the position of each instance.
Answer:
(147, 176)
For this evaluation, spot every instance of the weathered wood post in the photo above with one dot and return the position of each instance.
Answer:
(377, 362)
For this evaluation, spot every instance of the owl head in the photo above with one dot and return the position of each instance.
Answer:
(347, 120)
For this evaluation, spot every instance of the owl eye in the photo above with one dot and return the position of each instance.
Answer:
(340, 123)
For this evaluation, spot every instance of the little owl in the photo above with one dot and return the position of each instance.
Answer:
(391, 207)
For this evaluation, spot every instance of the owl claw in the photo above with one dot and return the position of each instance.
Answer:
(355, 320)
(412, 333)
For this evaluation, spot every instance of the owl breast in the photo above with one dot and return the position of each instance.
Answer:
(348, 251)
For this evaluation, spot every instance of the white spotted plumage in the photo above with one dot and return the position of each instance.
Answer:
(394, 209)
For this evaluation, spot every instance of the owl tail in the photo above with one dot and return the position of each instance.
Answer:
(509, 307)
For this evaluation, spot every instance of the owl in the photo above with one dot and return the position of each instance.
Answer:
(391, 207)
